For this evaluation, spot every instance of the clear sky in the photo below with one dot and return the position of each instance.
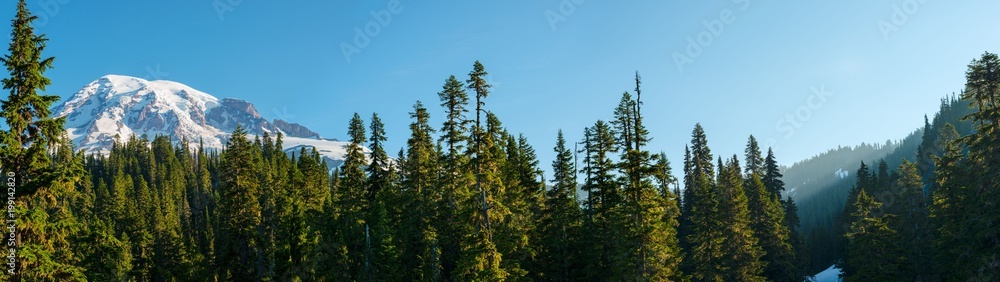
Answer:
(878, 65)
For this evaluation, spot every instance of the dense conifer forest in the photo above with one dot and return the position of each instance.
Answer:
(467, 200)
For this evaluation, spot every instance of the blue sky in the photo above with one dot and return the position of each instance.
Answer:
(879, 65)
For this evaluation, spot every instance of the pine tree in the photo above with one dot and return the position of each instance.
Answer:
(950, 206)
(624, 123)
(480, 259)
(913, 224)
(423, 251)
(775, 186)
(352, 203)
(872, 252)
(768, 219)
(382, 251)
(862, 183)
(983, 88)
(239, 209)
(302, 191)
(31, 133)
(670, 201)
(603, 198)
(965, 205)
(741, 251)
(331, 258)
(108, 258)
(925, 153)
(948, 134)
(769, 225)
(272, 199)
(457, 177)
(559, 257)
(49, 226)
(649, 251)
(523, 195)
(772, 175)
(756, 163)
(45, 185)
(170, 211)
(686, 198)
(454, 99)
(703, 202)
(131, 223)
(796, 239)
(880, 184)
(847, 217)
(623, 255)
(203, 206)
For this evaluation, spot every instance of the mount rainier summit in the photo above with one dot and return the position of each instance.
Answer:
(123, 106)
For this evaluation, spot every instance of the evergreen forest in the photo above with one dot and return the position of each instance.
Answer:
(468, 200)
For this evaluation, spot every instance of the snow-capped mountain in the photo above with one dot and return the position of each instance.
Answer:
(123, 106)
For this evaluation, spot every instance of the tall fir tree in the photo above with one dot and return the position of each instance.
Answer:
(672, 253)
(796, 239)
(704, 236)
(649, 251)
(872, 253)
(755, 161)
(768, 219)
(949, 205)
(925, 153)
(983, 89)
(771, 229)
(560, 227)
(480, 259)
(772, 175)
(457, 178)
(862, 183)
(43, 187)
(239, 210)
(603, 198)
(422, 248)
(913, 223)
(965, 206)
(776, 187)
(847, 218)
(523, 197)
(685, 200)
(352, 196)
(742, 252)
(381, 245)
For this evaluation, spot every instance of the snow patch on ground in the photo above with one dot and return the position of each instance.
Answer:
(841, 173)
(831, 274)
(334, 152)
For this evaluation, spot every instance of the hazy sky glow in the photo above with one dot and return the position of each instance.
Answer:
(846, 72)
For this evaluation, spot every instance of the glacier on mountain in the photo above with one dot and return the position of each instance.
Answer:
(122, 106)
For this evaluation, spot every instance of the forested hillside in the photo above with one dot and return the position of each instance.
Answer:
(822, 183)
(934, 218)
